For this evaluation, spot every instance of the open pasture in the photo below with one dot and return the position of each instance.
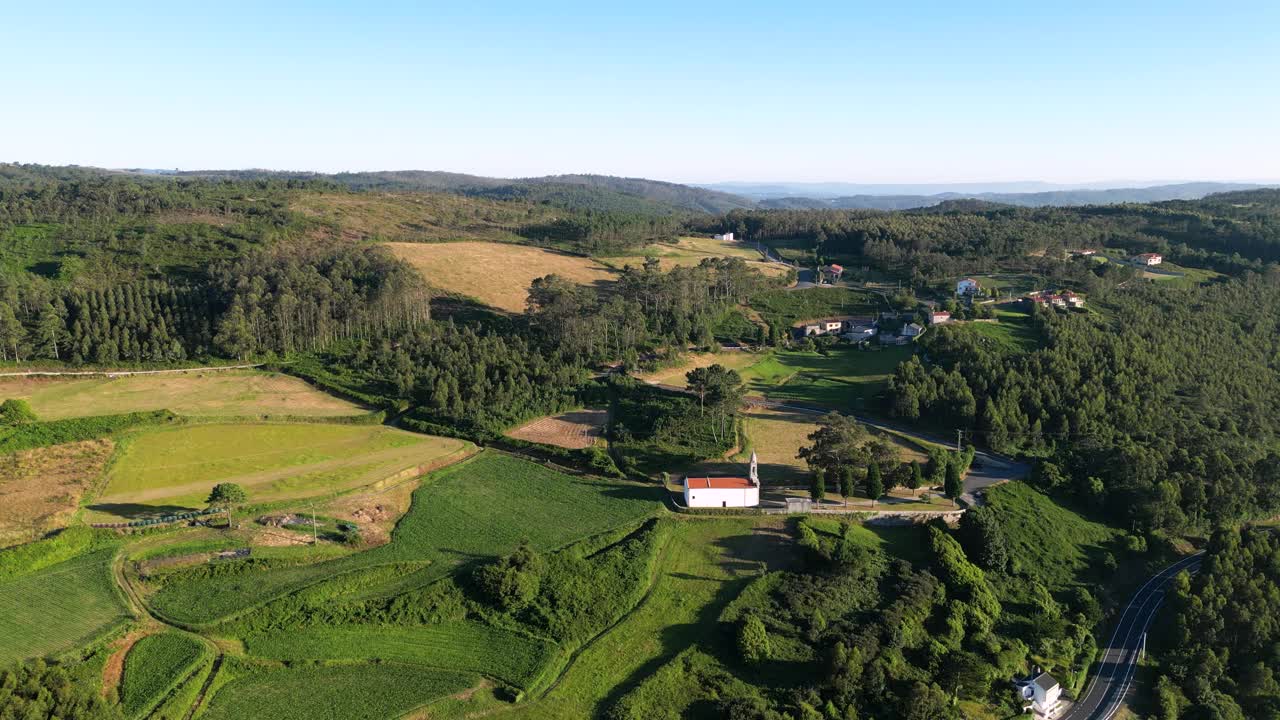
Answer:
(333, 692)
(221, 393)
(574, 430)
(40, 489)
(675, 375)
(154, 666)
(59, 607)
(496, 274)
(477, 509)
(844, 379)
(692, 251)
(159, 470)
(504, 655)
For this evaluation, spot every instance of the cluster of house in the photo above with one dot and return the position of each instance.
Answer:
(859, 329)
(1064, 299)
(723, 492)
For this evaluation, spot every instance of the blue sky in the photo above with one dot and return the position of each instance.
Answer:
(687, 91)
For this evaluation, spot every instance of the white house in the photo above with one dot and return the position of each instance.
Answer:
(912, 330)
(727, 237)
(1148, 259)
(723, 492)
(968, 286)
(1043, 694)
(938, 318)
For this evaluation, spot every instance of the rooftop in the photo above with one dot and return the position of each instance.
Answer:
(1045, 681)
(717, 483)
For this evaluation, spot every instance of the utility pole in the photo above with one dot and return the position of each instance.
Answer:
(959, 438)
(315, 539)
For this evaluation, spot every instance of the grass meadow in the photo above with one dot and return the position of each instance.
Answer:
(1013, 333)
(692, 251)
(162, 469)
(845, 379)
(223, 393)
(477, 509)
(346, 692)
(59, 607)
(471, 647)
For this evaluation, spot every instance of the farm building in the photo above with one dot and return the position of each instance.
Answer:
(831, 273)
(1084, 252)
(968, 286)
(1148, 259)
(938, 318)
(912, 330)
(832, 326)
(723, 492)
(727, 237)
(1064, 299)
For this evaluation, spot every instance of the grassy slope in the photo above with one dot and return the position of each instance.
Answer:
(480, 508)
(691, 251)
(845, 379)
(349, 692)
(1013, 334)
(1052, 542)
(460, 646)
(59, 607)
(175, 467)
(225, 393)
(154, 665)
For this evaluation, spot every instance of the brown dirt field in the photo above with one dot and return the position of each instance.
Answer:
(496, 274)
(731, 359)
(229, 393)
(40, 489)
(376, 514)
(413, 216)
(573, 430)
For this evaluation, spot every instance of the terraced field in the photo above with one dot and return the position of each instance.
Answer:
(58, 608)
(480, 508)
(509, 657)
(222, 393)
(336, 692)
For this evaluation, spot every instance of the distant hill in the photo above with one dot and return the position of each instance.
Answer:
(1052, 198)
(592, 192)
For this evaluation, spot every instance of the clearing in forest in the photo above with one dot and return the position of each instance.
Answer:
(844, 378)
(675, 375)
(222, 393)
(496, 274)
(40, 489)
(692, 251)
(574, 430)
(164, 470)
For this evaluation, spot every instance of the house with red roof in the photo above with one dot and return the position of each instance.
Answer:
(1148, 259)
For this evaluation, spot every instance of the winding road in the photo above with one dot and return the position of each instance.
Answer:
(1118, 663)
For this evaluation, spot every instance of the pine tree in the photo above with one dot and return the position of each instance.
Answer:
(875, 483)
(818, 485)
(916, 480)
(954, 485)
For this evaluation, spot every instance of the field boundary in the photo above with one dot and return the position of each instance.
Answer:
(122, 373)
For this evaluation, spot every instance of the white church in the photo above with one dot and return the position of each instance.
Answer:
(723, 492)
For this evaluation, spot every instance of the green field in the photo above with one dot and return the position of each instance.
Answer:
(154, 666)
(784, 308)
(169, 468)
(471, 647)
(59, 607)
(480, 508)
(1063, 543)
(223, 393)
(1013, 333)
(333, 692)
(844, 379)
(691, 251)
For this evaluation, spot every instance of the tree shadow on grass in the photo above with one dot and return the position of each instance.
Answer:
(135, 511)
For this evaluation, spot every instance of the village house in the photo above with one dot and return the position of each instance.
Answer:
(968, 286)
(912, 330)
(938, 318)
(1065, 299)
(833, 326)
(831, 273)
(1148, 259)
(727, 237)
(1084, 252)
(723, 492)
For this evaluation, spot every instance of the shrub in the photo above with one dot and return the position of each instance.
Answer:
(753, 640)
(16, 412)
(512, 581)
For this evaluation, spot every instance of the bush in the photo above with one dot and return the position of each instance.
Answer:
(512, 581)
(753, 640)
(16, 412)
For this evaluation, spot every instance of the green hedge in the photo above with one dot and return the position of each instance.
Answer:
(55, 432)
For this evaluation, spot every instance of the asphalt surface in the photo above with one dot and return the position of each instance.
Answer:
(1106, 692)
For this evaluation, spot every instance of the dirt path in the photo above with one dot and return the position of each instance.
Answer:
(122, 373)
(114, 668)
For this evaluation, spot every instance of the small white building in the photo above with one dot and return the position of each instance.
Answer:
(939, 318)
(1148, 259)
(727, 237)
(723, 492)
(1042, 693)
(912, 330)
(968, 286)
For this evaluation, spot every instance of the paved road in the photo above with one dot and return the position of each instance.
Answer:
(1106, 692)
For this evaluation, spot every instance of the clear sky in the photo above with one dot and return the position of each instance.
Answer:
(687, 91)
